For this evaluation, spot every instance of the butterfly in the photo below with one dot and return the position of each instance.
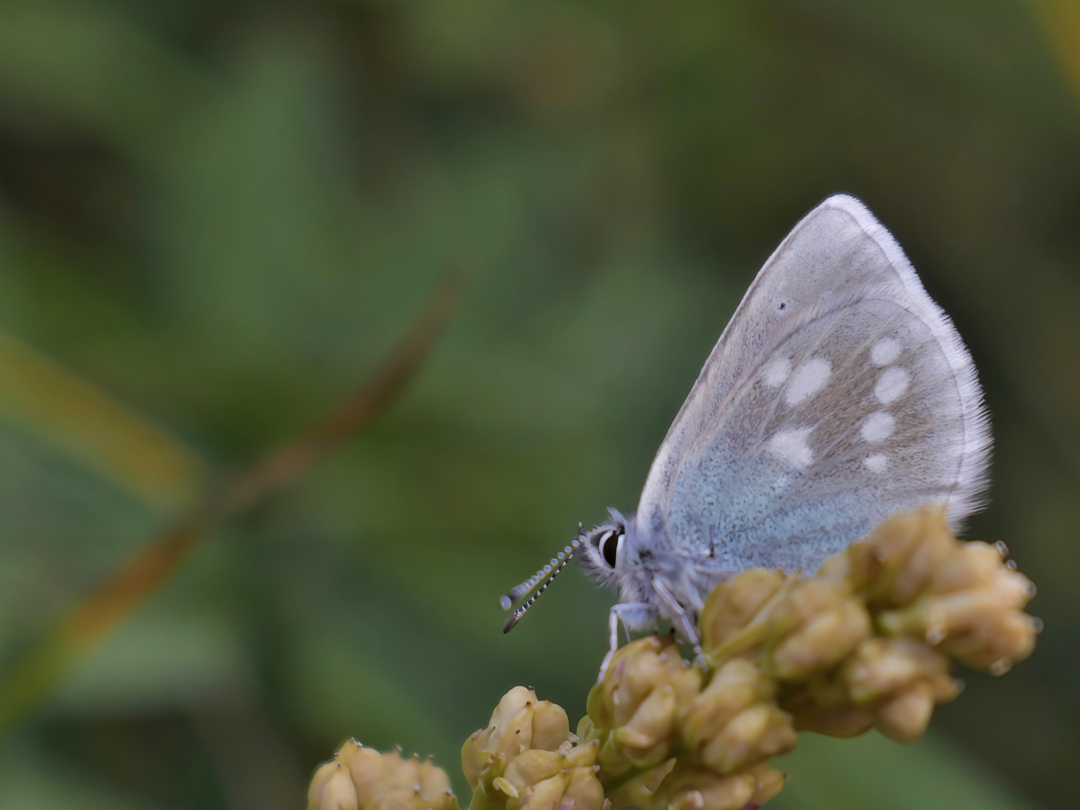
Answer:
(838, 395)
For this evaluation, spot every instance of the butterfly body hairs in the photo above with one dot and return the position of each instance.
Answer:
(838, 395)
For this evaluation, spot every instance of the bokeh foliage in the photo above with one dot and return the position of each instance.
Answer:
(216, 217)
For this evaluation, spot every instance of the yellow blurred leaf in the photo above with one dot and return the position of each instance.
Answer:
(1061, 20)
(91, 427)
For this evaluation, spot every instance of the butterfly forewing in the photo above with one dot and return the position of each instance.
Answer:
(838, 395)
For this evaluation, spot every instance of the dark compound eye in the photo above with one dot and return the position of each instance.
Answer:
(609, 547)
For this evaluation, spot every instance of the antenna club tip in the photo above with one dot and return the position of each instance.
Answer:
(510, 623)
(505, 602)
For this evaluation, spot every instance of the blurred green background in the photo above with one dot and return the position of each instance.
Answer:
(217, 217)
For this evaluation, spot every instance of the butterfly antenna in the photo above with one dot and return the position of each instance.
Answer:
(547, 574)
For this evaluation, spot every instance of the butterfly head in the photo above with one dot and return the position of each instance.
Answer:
(604, 550)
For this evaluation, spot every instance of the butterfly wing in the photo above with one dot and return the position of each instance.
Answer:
(838, 395)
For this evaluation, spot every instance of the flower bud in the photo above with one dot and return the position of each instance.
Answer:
(366, 765)
(813, 627)
(769, 782)
(332, 788)
(701, 789)
(695, 788)
(547, 780)
(521, 721)
(635, 708)
(972, 610)
(733, 723)
(891, 684)
(361, 778)
(734, 620)
(641, 790)
(893, 564)
(524, 760)
(584, 791)
(906, 715)
(823, 705)
(899, 680)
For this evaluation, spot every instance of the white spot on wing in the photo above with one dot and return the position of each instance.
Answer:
(884, 352)
(808, 379)
(877, 463)
(776, 372)
(791, 446)
(891, 384)
(878, 426)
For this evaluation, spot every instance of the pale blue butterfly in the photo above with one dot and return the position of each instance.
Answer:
(838, 395)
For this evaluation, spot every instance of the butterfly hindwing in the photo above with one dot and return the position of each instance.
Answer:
(839, 394)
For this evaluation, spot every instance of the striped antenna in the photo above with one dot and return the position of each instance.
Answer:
(547, 574)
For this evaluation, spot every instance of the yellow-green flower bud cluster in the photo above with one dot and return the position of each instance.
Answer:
(793, 627)
(634, 711)
(688, 787)
(891, 684)
(734, 722)
(359, 778)
(963, 599)
(524, 759)
(868, 642)
(666, 743)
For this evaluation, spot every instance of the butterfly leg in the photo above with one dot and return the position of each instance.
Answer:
(681, 622)
(634, 616)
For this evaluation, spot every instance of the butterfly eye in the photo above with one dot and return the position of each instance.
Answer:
(609, 547)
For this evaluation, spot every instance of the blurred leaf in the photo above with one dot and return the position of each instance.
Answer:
(32, 780)
(874, 773)
(161, 659)
(113, 600)
(339, 680)
(85, 63)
